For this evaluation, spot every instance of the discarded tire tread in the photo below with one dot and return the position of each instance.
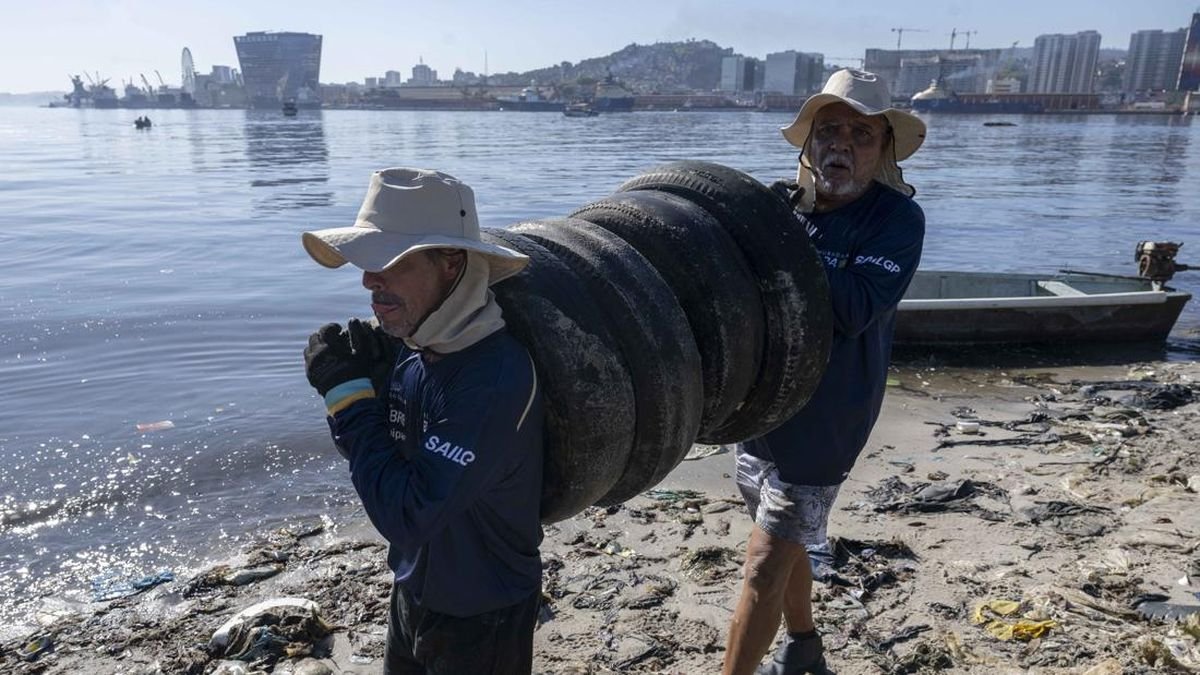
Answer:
(683, 241)
(586, 384)
(791, 282)
(655, 339)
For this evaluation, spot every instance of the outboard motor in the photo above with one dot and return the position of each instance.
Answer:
(1156, 261)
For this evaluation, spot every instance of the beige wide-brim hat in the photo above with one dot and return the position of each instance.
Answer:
(410, 210)
(868, 94)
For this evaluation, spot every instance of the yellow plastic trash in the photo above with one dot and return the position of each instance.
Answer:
(1021, 629)
(1001, 607)
(1024, 629)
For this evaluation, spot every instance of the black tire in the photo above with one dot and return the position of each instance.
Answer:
(587, 392)
(791, 283)
(704, 267)
(655, 340)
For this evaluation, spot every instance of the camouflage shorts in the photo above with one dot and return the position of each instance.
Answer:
(797, 513)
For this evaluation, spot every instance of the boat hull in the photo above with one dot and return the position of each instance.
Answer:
(1111, 311)
(613, 104)
(532, 106)
(956, 106)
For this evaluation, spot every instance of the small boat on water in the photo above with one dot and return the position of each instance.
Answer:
(580, 110)
(142, 123)
(290, 109)
(972, 308)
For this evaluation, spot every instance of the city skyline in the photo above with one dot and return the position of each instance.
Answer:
(123, 39)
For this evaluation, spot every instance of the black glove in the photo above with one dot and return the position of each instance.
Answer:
(789, 191)
(329, 360)
(373, 345)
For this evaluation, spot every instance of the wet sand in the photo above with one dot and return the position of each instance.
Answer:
(1071, 517)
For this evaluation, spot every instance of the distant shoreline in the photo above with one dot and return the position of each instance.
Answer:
(692, 109)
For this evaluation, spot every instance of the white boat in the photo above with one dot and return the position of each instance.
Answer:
(948, 308)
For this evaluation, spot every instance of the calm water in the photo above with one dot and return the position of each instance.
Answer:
(157, 275)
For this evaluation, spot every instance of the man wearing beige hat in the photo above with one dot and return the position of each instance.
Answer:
(851, 197)
(446, 454)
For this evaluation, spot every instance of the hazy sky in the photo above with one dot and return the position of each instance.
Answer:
(42, 41)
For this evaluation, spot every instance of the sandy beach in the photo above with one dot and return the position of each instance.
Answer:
(1032, 519)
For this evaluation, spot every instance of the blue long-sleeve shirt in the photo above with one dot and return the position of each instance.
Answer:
(449, 470)
(870, 247)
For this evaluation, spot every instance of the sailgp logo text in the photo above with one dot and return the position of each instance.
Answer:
(454, 453)
(878, 260)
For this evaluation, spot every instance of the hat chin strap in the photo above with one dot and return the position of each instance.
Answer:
(468, 313)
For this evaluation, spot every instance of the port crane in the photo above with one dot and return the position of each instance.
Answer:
(900, 33)
(954, 33)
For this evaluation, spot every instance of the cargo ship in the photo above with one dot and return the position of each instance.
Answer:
(97, 94)
(938, 99)
(611, 96)
(529, 100)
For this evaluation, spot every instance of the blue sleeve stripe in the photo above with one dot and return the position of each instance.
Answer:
(532, 393)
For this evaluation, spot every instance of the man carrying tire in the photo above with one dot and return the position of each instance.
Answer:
(445, 449)
(851, 197)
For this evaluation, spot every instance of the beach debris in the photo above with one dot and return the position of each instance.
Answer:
(708, 564)
(634, 649)
(894, 495)
(1071, 518)
(962, 654)
(699, 451)
(278, 628)
(222, 637)
(926, 657)
(110, 585)
(1168, 611)
(902, 635)
(1178, 649)
(224, 575)
(144, 427)
(654, 594)
(967, 426)
(1115, 561)
(615, 547)
(234, 668)
(674, 496)
(720, 506)
(35, 647)
(1149, 395)
(862, 567)
(993, 614)
(1043, 438)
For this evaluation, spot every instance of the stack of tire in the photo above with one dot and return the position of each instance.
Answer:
(689, 306)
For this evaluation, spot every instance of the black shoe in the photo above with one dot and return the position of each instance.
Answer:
(797, 657)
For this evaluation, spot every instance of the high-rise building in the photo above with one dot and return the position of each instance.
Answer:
(737, 74)
(1153, 60)
(793, 73)
(392, 79)
(1064, 64)
(1189, 70)
(423, 75)
(222, 75)
(278, 67)
(908, 71)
